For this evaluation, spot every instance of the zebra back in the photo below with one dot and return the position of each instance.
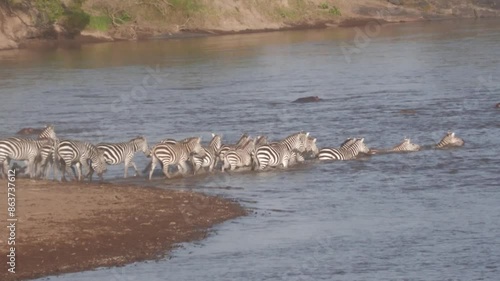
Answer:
(48, 133)
(406, 145)
(450, 140)
(296, 141)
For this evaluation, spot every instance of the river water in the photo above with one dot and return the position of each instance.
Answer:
(430, 215)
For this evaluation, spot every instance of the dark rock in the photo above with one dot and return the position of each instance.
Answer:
(307, 99)
(498, 105)
(29, 131)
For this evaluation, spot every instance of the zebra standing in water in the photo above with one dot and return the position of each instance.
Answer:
(210, 155)
(279, 153)
(117, 153)
(47, 159)
(78, 153)
(21, 149)
(226, 147)
(239, 157)
(174, 154)
(450, 140)
(348, 150)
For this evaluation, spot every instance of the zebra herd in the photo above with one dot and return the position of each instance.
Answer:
(48, 152)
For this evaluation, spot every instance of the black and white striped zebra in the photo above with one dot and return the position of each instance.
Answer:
(209, 157)
(296, 158)
(405, 146)
(450, 140)
(123, 152)
(226, 147)
(23, 150)
(174, 154)
(80, 153)
(47, 161)
(279, 153)
(348, 150)
(239, 157)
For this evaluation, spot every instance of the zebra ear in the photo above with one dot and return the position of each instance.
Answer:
(213, 135)
(452, 134)
(314, 140)
(307, 134)
(362, 140)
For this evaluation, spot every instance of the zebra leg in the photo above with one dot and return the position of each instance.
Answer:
(32, 172)
(137, 172)
(183, 167)
(165, 170)
(153, 163)
(79, 169)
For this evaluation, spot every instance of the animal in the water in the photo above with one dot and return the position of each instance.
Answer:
(307, 99)
(450, 140)
(405, 146)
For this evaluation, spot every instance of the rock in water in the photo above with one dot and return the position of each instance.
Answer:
(307, 99)
(29, 131)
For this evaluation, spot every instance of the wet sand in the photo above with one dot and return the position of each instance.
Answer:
(69, 227)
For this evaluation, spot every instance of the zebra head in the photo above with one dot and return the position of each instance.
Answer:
(193, 145)
(450, 140)
(141, 144)
(48, 133)
(216, 142)
(311, 146)
(361, 146)
(98, 162)
(296, 141)
(407, 145)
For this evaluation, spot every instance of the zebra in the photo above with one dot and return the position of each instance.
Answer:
(348, 150)
(279, 153)
(210, 155)
(178, 154)
(296, 158)
(117, 153)
(226, 147)
(20, 149)
(47, 156)
(79, 153)
(260, 140)
(450, 140)
(239, 157)
(405, 146)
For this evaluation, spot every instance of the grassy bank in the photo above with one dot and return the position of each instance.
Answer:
(131, 19)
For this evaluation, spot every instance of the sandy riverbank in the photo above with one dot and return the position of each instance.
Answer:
(76, 226)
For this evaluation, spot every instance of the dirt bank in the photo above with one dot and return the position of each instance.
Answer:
(74, 227)
(23, 22)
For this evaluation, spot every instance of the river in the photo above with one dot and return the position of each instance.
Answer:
(429, 215)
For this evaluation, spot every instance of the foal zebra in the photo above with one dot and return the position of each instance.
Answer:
(117, 153)
(239, 157)
(210, 155)
(78, 153)
(21, 149)
(279, 153)
(450, 140)
(174, 154)
(348, 150)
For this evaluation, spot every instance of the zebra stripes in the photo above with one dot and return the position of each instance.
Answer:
(226, 147)
(174, 154)
(405, 146)
(348, 150)
(80, 153)
(239, 157)
(450, 140)
(21, 149)
(117, 153)
(279, 153)
(209, 158)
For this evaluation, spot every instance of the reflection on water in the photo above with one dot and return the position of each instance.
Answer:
(431, 215)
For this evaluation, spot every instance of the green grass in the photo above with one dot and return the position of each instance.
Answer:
(51, 8)
(334, 11)
(101, 23)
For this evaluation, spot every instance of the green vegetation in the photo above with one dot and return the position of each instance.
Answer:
(101, 23)
(51, 9)
(334, 11)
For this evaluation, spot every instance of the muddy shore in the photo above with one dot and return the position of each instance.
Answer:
(77, 226)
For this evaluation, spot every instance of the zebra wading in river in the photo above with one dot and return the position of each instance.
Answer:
(348, 150)
(226, 147)
(174, 154)
(47, 159)
(117, 153)
(21, 149)
(450, 140)
(239, 157)
(79, 153)
(210, 155)
(279, 153)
